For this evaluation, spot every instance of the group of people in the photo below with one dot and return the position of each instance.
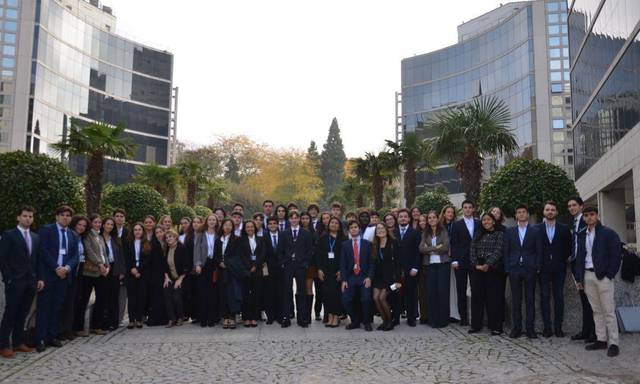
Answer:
(228, 267)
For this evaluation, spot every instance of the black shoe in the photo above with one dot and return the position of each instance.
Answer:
(464, 323)
(270, 321)
(303, 324)
(411, 323)
(285, 323)
(367, 327)
(55, 343)
(474, 330)
(352, 326)
(453, 320)
(591, 339)
(515, 333)
(40, 347)
(613, 351)
(203, 324)
(396, 322)
(318, 317)
(496, 332)
(389, 327)
(596, 346)
(532, 335)
(547, 332)
(559, 333)
(381, 327)
(578, 336)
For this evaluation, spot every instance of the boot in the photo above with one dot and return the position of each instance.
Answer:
(299, 314)
(309, 309)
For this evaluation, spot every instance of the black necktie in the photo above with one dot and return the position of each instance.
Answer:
(275, 241)
(64, 239)
(295, 234)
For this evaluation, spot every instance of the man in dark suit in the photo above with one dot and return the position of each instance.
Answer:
(267, 211)
(273, 282)
(522, 255)
(57, 258)
(357, 270)
(578, 226)
(294, 254)
(18, 264)
(556, 251)
(598, 262)
(409, 257)
(462, 233)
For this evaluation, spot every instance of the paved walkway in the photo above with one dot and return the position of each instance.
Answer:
(269, 354)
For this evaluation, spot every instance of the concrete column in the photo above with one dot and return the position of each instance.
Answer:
(611, 208)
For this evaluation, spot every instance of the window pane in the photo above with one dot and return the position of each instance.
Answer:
(556, 76)
(554, 41)
(554, 18)
(554, 29)
(556, 87)
(552, 7)
(9, 50)
(558, 124)
(12, 14)
(554, 53)
(10, 38)
(555, 64)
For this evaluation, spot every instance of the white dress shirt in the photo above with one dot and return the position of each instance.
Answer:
(471, 225)
(589, 239)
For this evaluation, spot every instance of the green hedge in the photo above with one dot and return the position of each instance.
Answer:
(137, 200)
(37, 180)
(202, 211)
(179, 210)
(432, 200)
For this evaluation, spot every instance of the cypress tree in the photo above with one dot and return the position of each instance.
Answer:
(332, 161)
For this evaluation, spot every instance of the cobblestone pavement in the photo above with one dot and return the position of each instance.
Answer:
(269, 354)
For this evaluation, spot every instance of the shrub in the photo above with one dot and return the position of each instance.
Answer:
(39, 181)
(179, 210)
(137, 199)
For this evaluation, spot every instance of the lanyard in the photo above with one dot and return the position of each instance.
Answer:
(332, 243)
(381, 253)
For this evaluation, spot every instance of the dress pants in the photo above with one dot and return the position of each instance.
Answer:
(137, 297)
(207, 295)
(87, 285)
(588, 326)
(250, 302)
(18, 298)
(49, 305)
(173, 302)
(437, 290)
(317, 284)
(299, 273)
(356, 287)
(409, 297)
(68, 307)
(422, 293)
(552, 282)
(487, 294)
(521, 280)
(273, 294)
(112, 316)
(601, 297)
(462, 275)
(190, 295)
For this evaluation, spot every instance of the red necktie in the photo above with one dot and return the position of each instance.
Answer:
(356, 258)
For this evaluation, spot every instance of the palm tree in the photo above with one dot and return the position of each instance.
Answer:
(354, 190)
(96, 141)
(465, 136)
(163, 179)
(415, 155)
(193, 174)
(376, 170)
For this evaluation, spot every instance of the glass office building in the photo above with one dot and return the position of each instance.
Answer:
(78, 68)
(517, 53)
(605, 84)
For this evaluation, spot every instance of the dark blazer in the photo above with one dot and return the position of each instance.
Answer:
(130, 258)
(328, 266)
(582, 226)
(606, 253)
(302, 248)
(408, 252)
(347, 261)
(184, 264)
(244, 256)
(15, 261)
(461, 241)
(228, 256)
(530, 252)
(119, 264)
(48, 253)
(555, 254)
(388, 269)
(270, 255)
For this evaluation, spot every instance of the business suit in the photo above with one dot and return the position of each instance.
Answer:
(556, 251)
(207, 292)
(409, 258)
(115, 257)
(272, 293)
(330, 267)
(173, 300)
(251, 283)
(58, 248)
(437, 285)
(355, 282)
(230, 285)
(522, 263)
(461, 241)
(18, 263)
(606, 256)
(294, 255)
(139, 259)
(588, 330)
(95, 255)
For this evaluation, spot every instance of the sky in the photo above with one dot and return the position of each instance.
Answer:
(280, 71)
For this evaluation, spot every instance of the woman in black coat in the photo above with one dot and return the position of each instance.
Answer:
(251, 258)
(177, 264)
(327, 254)
(388, 273)
(156, 308)
(115, 278)
(228, 275)
(138, 265)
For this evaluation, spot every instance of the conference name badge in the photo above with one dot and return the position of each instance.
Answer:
(253, 257)
(331, 255)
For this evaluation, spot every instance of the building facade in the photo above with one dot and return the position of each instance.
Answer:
(605, 84)
(518, 53)
(62, 60)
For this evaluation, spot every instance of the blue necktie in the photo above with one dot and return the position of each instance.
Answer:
(63, 233)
